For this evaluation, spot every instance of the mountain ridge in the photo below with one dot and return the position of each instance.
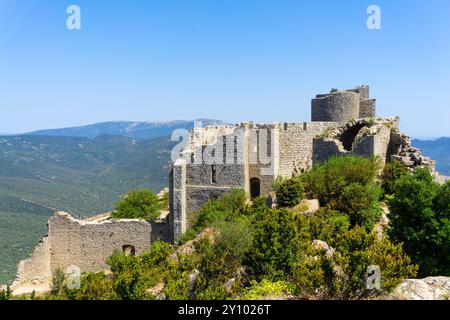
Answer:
(131, 129)
(438, 150)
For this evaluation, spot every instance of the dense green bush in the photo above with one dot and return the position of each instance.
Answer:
(327, 181)
(359, 249)
(420, 219)
(58, 280)
(230, 206)
(326, 224)
(94, 286)
(289, 192)
(343, 274)
(391, 173)
(361, 203)
(138, 204)
(347, 184)
(276, 244)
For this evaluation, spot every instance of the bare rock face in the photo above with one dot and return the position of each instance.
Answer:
(431, 288)
(320, 245)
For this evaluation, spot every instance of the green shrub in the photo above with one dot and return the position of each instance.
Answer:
(234, 239)
(359, 249)
(420, 219)
(138, 204)
(289, 192)
(326, 224)
(361, 203)
(327, 181)
(132, 277)
(275, 246)
(313, 275)
(391, 173)
(228, 207)
(266, 289)
(94, 286)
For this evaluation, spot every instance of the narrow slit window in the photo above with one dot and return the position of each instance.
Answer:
(213, 174)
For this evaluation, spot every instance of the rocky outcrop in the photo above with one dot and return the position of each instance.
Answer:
(319, 245)
(431, 288)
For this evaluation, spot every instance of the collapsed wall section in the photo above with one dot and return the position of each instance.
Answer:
(361, 137)
(34, 273)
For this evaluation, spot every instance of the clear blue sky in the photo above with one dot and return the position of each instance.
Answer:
(233, 60)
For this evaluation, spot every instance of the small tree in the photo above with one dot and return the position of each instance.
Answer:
(138, 204)
(420, 218)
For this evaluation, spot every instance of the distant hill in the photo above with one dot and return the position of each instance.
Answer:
(137, 130)
(40, 174)
(80, 175)
(438, 150)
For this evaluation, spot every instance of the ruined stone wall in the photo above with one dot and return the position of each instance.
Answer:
(367, 108)
(325, 148)
(370, 139)
(383, 144)
(208, 135)
(34, 273)
(89, 244)
(296, 145)
(177, 203)
(160, 231)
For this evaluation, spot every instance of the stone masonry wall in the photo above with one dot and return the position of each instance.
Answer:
(89, 244)
(373, 139)
(296, 145)
(336, 107)
(35, 271)
(177, 193)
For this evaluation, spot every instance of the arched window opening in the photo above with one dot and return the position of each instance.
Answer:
(129, 250)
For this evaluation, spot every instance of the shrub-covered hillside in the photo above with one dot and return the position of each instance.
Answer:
(240, 250)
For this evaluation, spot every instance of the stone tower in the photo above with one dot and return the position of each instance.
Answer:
(343, 106)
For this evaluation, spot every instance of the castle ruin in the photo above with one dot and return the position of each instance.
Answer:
(251, 156)
(215, 160)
